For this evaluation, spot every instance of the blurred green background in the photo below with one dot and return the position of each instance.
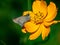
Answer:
(10, 33)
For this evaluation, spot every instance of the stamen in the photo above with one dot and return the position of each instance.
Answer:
(38, 17)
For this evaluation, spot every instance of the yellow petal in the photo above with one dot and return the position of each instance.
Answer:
(52, 12)
(45, 31)
(23, 30)
(47, 24)
(39, 6)
(35, 35)
(32, 15)
(31, 27)
(26, 12)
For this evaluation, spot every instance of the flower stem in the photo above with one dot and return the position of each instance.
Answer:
(29, 4)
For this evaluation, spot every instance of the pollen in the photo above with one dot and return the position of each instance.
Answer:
(38, 18)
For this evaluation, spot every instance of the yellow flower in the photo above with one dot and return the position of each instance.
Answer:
(41, 17)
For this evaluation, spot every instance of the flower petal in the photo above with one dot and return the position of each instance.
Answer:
(26, 12)
(47, 24)
(23, 30)
(45, 31)
(52, 12)
(31, 27)
(36, 34)
(39, 6)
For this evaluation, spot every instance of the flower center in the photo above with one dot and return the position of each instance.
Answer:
(38, 18)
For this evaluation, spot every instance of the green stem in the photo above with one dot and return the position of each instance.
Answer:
(29, 4)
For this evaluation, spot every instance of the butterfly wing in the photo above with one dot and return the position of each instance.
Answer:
(21, 20)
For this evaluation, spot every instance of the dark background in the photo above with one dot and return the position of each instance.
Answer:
(10, 33)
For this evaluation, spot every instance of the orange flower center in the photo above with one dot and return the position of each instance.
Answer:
(38, 17)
